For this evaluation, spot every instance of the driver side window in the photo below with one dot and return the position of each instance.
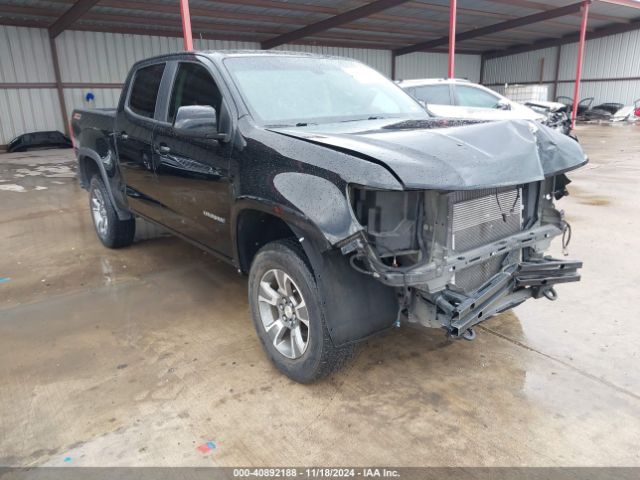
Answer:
(193, 85)
(474, 97)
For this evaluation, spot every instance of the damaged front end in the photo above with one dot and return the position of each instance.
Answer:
(457, 258)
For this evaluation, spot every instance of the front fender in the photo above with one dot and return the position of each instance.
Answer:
(355, 305)
(321, 202)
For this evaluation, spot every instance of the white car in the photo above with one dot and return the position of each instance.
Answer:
(456, 98)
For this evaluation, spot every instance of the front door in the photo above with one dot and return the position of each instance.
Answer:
(134, 139)
(477, 103)
(193, 172)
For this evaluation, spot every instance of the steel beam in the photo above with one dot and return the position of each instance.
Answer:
(280, 5)
(59, 88)
(490, 29)
(622, 3)
(583, 38)
(393, 66)
(533, 5)
(332, 22)
(557, 72)
(70, 16)
(410, 25)
(453, 5)
(570, 38)
(470, 12)
(186, 25)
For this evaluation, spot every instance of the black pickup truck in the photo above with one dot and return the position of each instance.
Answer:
(349, 206)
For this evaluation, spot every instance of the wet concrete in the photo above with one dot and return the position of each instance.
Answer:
(138, 356)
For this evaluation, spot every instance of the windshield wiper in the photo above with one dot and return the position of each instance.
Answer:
(284, 125)
(372, 117)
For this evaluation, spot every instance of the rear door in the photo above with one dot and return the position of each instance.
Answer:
(193, 172)
(135, 122)
(438, 99)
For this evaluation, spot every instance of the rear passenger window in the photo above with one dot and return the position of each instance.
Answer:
(433, 94)
(144, 91)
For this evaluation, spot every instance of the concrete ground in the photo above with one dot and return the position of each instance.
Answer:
(141, 355)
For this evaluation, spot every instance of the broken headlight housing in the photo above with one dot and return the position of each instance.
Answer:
(392, 223)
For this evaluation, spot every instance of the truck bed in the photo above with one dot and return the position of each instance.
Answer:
(90, 124)
(86, 116)
(92, 131)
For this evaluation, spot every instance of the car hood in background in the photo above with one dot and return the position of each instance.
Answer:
(517, 112)
(550, 106)
(451, 154)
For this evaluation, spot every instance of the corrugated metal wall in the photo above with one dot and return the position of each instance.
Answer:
(25, 57)
(612, 57)
(523, 67)
(28, 110)
(96, 57)
(105, 58)
(102, 58)
(426, 65)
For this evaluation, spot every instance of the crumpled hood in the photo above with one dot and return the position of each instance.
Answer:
(454, 155)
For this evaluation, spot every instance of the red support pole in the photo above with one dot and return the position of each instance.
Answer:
(583, 36)
(453, 7)
(186, 25)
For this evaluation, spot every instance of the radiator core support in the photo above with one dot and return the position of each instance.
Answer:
(476, 252)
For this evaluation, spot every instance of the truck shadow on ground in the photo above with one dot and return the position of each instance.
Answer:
(426, 350)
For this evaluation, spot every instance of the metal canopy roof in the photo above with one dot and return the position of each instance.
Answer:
(490, 27)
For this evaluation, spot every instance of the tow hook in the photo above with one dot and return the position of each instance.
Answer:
(550, 294)
(469, 335)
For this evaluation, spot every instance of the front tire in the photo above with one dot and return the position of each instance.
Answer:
(286, 308)
(112, 232)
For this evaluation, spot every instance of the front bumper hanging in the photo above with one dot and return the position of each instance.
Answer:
(503, 291)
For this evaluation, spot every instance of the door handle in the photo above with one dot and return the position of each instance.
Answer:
(124, 136)
(163, 149)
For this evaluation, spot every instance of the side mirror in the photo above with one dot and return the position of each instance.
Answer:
(503, 105)
(198, 121)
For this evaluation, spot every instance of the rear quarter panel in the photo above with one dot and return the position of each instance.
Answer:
(93, 140)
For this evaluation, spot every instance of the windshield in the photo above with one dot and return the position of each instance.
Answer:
(306, 90)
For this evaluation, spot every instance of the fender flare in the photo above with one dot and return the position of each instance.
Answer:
(355, 305)
(83, 152)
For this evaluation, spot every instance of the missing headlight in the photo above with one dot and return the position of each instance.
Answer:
(391, 220)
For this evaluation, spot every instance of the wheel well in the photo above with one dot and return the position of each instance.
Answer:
(254, 230)
(88, 168)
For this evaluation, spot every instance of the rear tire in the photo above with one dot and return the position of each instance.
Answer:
(112, 232)
(286, 308)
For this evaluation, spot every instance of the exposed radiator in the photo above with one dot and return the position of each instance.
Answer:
(480, 217)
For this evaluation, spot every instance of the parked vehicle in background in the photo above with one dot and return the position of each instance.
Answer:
(459, 98)
(348, 205)
(608, 111)
(558, 114)
(630, 113)
(38, 140)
